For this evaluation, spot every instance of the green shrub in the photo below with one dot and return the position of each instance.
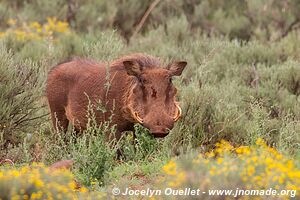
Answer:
(93, 154)
(94, 157)
(21, 89)
(141, 147)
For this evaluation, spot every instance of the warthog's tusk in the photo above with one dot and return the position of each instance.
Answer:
(178, 112)
(137, 117)
(7, 161)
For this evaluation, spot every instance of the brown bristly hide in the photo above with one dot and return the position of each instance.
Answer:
(140, 91)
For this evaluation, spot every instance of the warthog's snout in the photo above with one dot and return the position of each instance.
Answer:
(159, 131)
(159, 124)
(158, 121)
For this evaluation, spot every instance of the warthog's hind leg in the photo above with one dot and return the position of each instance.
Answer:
(60, 121)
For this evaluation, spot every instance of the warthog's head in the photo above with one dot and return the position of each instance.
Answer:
(152, 100)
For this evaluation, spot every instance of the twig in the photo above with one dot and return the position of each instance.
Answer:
(289, 29)
(71, 13)
(145, 16)
(234, 120)
(255, 82)
(22, 119)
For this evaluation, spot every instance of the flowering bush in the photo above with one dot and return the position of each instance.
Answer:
(39, 182)
(256, 167)
(36, 31)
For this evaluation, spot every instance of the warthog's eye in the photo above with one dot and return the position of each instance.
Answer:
(142, 85)
(170, 80)
(142, 81)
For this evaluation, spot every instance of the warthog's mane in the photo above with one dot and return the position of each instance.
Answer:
(145, 61)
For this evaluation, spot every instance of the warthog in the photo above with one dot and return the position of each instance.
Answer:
(133, 89)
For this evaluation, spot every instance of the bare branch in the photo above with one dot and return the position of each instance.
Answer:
(71, 13)
(289, 29)
(145, 16)
(255, 81)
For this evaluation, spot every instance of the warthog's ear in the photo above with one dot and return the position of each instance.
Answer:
(132, 68)
(177, 67)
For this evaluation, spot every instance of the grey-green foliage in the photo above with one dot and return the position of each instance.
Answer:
(24, 67)
(103, 46)
(21, 90)
(231, 90)
(93, 154)
(139, 145)
(246, 20)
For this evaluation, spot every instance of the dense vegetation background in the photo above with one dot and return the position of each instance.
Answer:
(242, 82)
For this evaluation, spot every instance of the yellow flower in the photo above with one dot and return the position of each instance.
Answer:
(260, 142)
(290, 164)
(15, 197)
(257, 167)
(210, 154)
(2, 34)
(38, 183)
(294, 174)
(51, 22)
(36, 195)
(179, 179)
(170, 168)
(281, 179)
(36, 31)
(243, 150)
(83, 190)
(72, 185)
(61, 27)
(292, 187)
(250, 170)
(223, 147)
(20, 34)
(212, 170)
(245, 178)
(43, 183)
(219, 160)
(15, 173)
(35, 25)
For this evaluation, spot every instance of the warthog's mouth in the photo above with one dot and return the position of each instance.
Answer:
(140, 120)
(160, 135)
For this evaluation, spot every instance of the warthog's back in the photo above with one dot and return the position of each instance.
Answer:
(70, 85)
